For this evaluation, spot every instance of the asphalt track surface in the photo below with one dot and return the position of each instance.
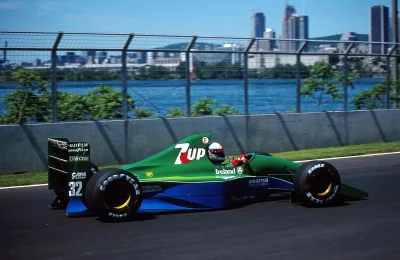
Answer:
(274, 229)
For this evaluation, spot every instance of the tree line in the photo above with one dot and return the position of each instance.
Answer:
(203, 70)
(31, 101)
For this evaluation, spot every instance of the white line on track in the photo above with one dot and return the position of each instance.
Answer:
(24, 186)
(350, 157)
(325, 159)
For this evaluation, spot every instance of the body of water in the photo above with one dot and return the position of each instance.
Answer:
(265, 95)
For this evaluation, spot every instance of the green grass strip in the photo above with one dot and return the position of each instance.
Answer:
(340, 151)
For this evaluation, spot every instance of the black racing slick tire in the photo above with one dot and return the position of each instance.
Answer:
(113, 194)
(317, 183)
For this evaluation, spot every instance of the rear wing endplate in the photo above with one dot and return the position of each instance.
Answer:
(69, 169)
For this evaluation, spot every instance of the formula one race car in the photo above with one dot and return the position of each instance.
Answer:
(182, 178)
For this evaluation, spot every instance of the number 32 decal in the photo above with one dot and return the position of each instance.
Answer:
(75, 188)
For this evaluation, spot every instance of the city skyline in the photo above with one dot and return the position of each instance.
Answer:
(210, 18)
(293, 24)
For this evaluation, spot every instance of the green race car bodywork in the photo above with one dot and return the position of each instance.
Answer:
(196, 167)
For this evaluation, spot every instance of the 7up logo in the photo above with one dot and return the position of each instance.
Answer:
(186, 154)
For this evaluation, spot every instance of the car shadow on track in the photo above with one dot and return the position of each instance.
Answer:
(342, 201)
(135, 218)
(285, 198)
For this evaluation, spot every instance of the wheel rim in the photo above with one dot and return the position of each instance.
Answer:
(326, 191)
(124, 204)
(118, 194)
(321, 183)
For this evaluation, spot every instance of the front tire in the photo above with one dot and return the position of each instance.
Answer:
(317, 183)
(113, 194)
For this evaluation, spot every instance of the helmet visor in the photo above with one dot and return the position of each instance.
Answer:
(217, 153)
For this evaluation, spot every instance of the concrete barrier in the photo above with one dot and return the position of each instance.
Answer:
(24, 147)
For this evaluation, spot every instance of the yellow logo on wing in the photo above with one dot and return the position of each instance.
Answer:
(149, 174)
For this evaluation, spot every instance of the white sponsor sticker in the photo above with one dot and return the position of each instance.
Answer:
(225, 171)
(76, 145)
(78, 158)
(186, 154)
(78, 175)
(258, 182)
(316, 167)
(77, 150)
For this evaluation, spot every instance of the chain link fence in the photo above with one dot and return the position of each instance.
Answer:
(53, 77)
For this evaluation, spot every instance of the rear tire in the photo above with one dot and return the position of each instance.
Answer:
(317, 183)
(113, 194)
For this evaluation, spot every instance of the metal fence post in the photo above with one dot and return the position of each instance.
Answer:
(395, 34)
(345, 90)
(246, 82)
(187, 74)
(246, 76)
(345, 76)
(298, 76)
(54, 77)
(387, 90)
(124, 78)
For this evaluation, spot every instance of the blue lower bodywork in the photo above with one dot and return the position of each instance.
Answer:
(159, 197)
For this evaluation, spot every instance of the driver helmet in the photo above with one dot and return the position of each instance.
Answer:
(216, 153)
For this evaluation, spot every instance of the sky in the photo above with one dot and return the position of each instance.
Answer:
(231, 18)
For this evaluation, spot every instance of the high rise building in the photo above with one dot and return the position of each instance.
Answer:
(294, 26)
(379, 28)
(70, 57)
(297, 29)
(303, 30)
(269, 33)
(36, 62)
(293, 30)
(258, 25)
(89, 54)
(289, 11)
(303, 27)
(350, 37)
(101, 56)
(268, 45)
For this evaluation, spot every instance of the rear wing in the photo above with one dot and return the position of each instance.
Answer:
(69, 169)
